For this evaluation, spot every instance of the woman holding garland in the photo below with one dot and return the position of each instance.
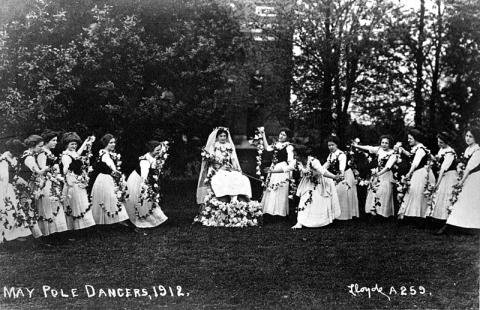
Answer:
(346, 189)
(319, 204)
(420, 175)
(28, 184)
(221, 171)
(108, 191)
(465, 211)
(275, 196)
(51, 217)
(9, 227)
(380, 190)
(75, 169)
(447, 178)
(144, 211)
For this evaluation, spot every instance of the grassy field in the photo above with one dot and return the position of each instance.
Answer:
(256, 268)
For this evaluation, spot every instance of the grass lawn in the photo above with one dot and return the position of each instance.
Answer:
(270, 267)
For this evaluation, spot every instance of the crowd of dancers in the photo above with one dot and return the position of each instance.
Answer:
(42, 194)
(443, 187)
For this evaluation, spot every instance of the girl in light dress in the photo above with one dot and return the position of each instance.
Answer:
(380, 191)
(319, 204)
(420, 175)
(346, 189)
(28, 184)
(447, 178)
(465, 211)
(227, 179)
(76, 204)
(145, 212)
(108, 191)
(275, 196)
(50, 209)
(10, 229)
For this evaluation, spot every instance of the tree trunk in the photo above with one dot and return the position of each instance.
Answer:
(434, 99)
(419, 60)
(327, 100)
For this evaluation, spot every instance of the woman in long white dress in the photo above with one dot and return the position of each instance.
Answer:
(222, 165)
(347, 188)
(380, 191)
(9, 227)
(414, 204)
(465, 211)
(76, 204)
(108, 191)
(28, 184)
(50, 210)
(145, 211)
(319, 204)
(447, 178)
(275, 196)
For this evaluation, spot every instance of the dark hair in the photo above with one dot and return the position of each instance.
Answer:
(106, 139)
(475, 131)
(48, 135)
(303, 152)
(445, 137)
(70, 137)
(32, 141)
(388, 137)
(416, 134)
(334, 139)
(152, 145)
(15, 147)
(287, 131)
(221, 131)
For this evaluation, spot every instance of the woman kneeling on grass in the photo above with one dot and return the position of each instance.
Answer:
(319, 204)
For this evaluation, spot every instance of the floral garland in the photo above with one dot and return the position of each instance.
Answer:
(213, 160)
(431, 190)
(56, 186)
(334, 163)
(69, 212)
(312, 178)
(27, 193)
(257, 142)
(404, 185)
(150, 190)
(457, 188)
(120, 185)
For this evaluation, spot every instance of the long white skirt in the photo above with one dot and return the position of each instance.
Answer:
(76, 205)
(382, 199)
(145, 219)
(322, 209)
(104, 202)
(230, 183)
(51, 211)
(415, 202)
(347, 195)
(441, 198)
(275, 196)
(9, 228)
(466, 211)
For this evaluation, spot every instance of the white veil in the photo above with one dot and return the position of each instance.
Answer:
(202, 188)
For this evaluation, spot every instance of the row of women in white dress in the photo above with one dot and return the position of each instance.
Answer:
(330, 189)
(45, 195)
(426, 196)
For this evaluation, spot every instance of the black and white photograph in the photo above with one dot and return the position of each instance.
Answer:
(239, 154)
